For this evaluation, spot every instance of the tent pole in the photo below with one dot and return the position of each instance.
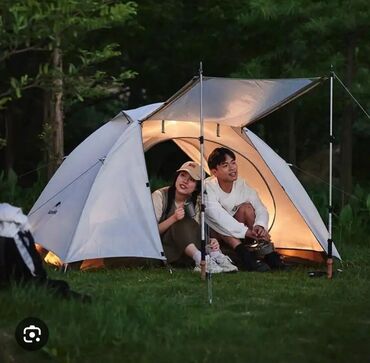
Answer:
(329, 260)
(201, 141)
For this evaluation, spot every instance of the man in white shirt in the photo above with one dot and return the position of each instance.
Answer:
(236, 214)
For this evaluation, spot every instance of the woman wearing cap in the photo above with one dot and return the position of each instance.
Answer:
(177, 209)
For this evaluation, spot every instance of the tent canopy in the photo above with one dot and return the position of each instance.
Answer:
(98, 203)
(232, 102)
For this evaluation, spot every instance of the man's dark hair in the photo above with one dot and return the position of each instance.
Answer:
(218, 156)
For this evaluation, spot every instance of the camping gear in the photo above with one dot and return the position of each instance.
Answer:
(98, 203)
(261, 248)
(19, 259)
(189, 208)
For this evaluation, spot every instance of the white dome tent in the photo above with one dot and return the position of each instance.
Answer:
(98, 203)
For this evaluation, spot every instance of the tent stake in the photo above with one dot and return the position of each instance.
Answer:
(329, 260)
(202, 210)
(203, 263)
(210, 294)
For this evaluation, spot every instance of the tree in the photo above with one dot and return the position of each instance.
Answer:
(312, 36)
(172, 37)
(53, 35)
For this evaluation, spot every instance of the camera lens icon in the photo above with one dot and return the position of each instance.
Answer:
(32, 334)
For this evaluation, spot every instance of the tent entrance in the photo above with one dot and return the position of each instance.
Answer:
(298, 236)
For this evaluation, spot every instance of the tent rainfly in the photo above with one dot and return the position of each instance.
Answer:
(98, 203)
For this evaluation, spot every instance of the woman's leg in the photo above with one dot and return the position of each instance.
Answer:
(192, 251)
(182, 235)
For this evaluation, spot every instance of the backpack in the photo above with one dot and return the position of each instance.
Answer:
(12, 263)
(20, 262)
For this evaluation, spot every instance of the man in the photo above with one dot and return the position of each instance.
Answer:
(236, 214)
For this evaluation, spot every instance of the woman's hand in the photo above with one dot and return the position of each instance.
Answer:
(213, 243)
(179, 214)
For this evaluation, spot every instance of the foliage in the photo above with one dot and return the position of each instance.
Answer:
(311, 37)
(354, 219)
(351, 223)
(55, 46)
(11, 192)
(105, 43)
(38, 27)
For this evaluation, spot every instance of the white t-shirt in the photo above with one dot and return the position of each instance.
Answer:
(221, 206)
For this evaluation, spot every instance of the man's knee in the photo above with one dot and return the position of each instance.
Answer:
(245, 214)
(246, 207)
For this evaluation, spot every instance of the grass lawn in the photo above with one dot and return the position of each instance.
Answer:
(150, 315)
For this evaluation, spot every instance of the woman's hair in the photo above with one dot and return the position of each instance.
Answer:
(172, 192)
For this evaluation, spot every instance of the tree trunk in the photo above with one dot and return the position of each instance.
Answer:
(346, 137)
(57, 117)
(46, 133)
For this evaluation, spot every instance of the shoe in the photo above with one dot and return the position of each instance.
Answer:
(225, 263)
(211, 267)
(262, 267)
(273, 259)
(249, 261)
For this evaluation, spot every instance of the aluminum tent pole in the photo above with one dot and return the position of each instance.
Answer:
(329, 260)
(202, 210)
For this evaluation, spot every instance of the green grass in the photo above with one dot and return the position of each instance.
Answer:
(149, 315)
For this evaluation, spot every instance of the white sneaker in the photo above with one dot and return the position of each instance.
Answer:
(211, 266)
(225, 263)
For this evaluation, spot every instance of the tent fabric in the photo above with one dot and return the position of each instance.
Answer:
(56, 214)
(119, 206)
(88, 208)
(294, 190)
(232, 102)
(98, 203)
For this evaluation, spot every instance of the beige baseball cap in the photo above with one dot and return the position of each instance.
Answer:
(192, 168)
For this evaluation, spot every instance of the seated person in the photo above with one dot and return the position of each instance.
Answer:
(236, 214)
(180, 231)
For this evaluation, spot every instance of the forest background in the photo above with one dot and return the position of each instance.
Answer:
(68, 66)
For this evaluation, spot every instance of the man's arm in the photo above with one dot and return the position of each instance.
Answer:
(262, 216)
(220, 220)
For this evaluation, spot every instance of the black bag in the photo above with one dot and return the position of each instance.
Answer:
(12, 265)
(14, 269)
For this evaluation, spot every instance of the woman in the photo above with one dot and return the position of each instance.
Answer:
(177, 209)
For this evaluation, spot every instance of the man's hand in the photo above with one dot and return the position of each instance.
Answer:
(261, 233)
(179, 214)
(251, 234)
